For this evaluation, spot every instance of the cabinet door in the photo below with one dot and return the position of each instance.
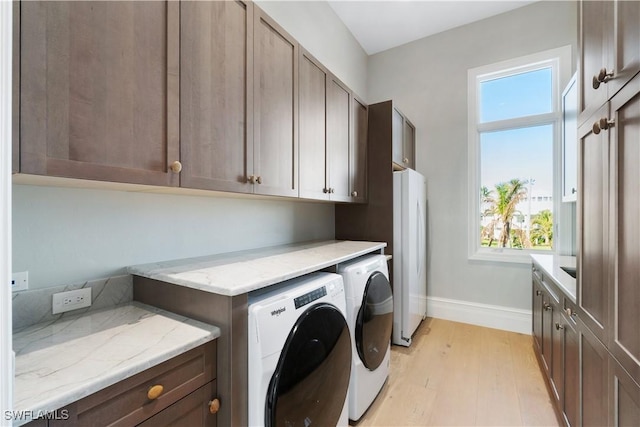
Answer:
(571, 381)
(312, 124)
(626, 44)
(215, 117)
(596, 28)
(594, 372)
(275, 65)
(397, 139)
(625, 231)
(593, 220)
(547, 332)
(100, 90)
(338, 139)
(190, 411)
(625, 396)
(358, 154)
(537, 307)
(557, 354)
(570, 141)
(409, 144)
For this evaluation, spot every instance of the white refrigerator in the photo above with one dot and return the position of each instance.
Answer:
(409, 254)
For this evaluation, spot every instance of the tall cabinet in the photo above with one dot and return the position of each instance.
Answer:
(387, 128)
(608, 205)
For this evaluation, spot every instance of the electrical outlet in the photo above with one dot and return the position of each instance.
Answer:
(20, 281)
(71, 300)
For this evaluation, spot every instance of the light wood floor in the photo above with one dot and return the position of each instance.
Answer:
(456, 374)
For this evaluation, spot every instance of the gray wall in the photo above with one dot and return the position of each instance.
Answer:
(63, 235)
(428, 80)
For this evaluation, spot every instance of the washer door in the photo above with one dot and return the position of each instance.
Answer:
(374, 321)
(310, 383)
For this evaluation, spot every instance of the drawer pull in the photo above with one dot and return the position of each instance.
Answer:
(559, 326)
(214, 406)
(547, 306)
(155, 392)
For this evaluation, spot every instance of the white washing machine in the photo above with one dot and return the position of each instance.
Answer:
(299, 353)
(370, 318)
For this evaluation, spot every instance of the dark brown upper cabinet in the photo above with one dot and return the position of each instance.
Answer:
(358, 152)
(403, 141)
(275, 67)
(216, 84)
(313, 127)
(609, 50)
(99, 90)
(338, 139)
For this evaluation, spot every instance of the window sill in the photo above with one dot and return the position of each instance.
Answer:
(505, 255)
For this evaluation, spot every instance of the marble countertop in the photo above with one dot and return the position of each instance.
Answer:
(241, 272)
(551, 265)
(63, 361)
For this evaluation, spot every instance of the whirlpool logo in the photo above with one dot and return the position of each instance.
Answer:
(278, 311)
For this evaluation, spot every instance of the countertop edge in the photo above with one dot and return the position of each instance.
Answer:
(561, 279)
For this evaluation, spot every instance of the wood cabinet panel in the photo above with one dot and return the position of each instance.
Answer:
(338, 139)
(594, 371)
(626, 44)
(596, 26)
(408, 145)
(537, 308)
(571, 397)
(358, 155)
(397, 141)
(216, 92)
(275, 108)
(547, 331)
(15, 90)
(626, 397)
(593, 217)
(625, 202)
(190, 411)
(100, 90)
(312, 88)
(557, 354)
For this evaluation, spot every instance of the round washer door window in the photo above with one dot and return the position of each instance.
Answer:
(374, 321)
(310, 383)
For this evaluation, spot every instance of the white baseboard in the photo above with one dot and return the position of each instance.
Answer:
(490, 316)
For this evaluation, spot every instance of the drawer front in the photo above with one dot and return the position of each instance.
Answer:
(190, 411)
(127, 403)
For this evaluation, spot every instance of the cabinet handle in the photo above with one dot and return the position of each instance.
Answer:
(214, 406)
(354, 194)
(568, 311)
(547, 306)
(259, 179)
(603, 77)
(155, 392)
(538, 292)
(332, 190)
(405, 160)
(176, 167)
(573, 190)
(326, 190)
(602, 124)
(251, 179)
(559, 326)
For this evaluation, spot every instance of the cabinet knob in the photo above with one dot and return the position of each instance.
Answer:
(559, 326)
(602, 124)
(259, 179)
(538, 292)
(214, 406)
(568, 311)
(176, 167)
(547, 306)
(602, 77)
(326, 190)
(332, 190)
(405, 160)
(251, 179)
(573, 190)
(155, 392)
(354, 194)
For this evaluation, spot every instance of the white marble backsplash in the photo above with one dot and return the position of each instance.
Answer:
(31, 307)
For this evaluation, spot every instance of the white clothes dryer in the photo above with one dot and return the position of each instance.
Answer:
(299, 353)
(370, 318)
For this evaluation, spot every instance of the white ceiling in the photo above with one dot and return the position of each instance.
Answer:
(381, 25)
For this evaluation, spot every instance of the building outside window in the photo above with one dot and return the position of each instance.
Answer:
(514, 141)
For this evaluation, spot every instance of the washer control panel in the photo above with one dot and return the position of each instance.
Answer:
(310, 297)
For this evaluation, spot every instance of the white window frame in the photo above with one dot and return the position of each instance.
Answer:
(559, 60)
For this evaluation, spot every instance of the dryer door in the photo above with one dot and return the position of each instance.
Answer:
(310, 383)
(374, 321)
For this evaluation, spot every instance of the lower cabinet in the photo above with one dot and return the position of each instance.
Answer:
(178, 392)
(625, 399)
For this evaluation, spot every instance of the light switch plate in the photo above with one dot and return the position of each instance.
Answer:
(71, 300)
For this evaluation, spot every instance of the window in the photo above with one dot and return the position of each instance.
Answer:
(514, 164)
